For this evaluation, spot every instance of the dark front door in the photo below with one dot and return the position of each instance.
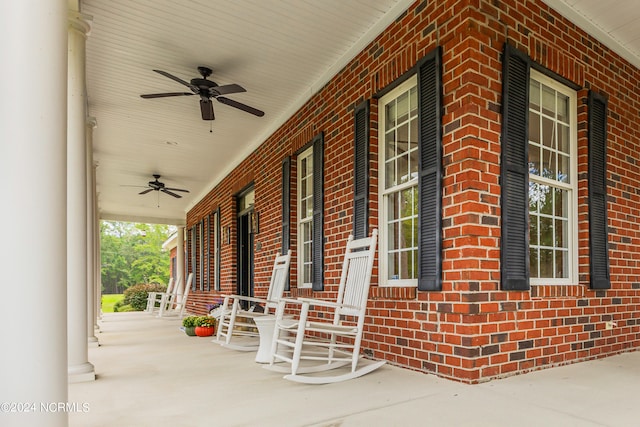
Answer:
(245, 244)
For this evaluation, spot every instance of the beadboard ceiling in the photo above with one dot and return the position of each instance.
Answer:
(280, 51)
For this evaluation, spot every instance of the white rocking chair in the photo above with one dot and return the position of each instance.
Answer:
(175, 304)
(234, 321)
(334, 343)
(155, 298)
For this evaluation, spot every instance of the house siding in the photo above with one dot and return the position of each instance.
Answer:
(471, 330)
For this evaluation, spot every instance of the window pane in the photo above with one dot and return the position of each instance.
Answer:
(393, 266)
(533, 230)
(561, 234)
(561, 203)
(310, 187)
(392, 206)
(405, 263)
(564, 163)
(546, 200)
(406, 238)
(390, 141)
(546, 231)
(402, 108)
(546, 263)
(303, 167)
(534, 159)
(413, 135)
(533, 262)
(413, 100)
(563, 108)
(390, 115)
(413, 164)
(407, 207)
(390, 173)
(403, 169)
(403, 139)
(549, 164)
(534, 95)
(562, 266)
(394, 231)
(548, 133)
(534, 127)
(548, 101)
(564, 140)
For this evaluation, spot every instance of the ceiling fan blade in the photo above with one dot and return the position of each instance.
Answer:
(164, 190)
(163, 95)
(146, 191)
(240, 106)
(206, 107)
(176, 189)
(174, 78)
(226, 89)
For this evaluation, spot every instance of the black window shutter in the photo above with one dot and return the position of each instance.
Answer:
(207, 257)
(218, 249)
(187, 252)
(361, 171)
(598, 244)
(286, 208)
(286, 205)
(430, 173)
(201, 271)
(318, 212)
(194, 268)
(514, 177)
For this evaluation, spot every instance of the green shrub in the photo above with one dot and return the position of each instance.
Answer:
(117, 306)
(205, 321)
(136, 296)
(189, 321)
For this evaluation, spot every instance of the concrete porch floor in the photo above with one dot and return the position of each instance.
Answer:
(151, 374)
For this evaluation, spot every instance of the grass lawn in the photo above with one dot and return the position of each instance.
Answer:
(109, 300)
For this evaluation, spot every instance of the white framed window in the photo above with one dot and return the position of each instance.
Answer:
(398, 192)
(305, 218)
(553, 222)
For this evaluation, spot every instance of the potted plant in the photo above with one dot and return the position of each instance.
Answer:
(205, 326)
(189, 325)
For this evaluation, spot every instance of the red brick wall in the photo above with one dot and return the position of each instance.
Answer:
(471, 330)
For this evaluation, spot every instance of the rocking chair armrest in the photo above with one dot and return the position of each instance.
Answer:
(324, 303)
(246, 298)
(291, 300)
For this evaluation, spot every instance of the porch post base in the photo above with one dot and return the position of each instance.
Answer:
(81, 373)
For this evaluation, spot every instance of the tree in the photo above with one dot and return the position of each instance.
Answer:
(132, 253)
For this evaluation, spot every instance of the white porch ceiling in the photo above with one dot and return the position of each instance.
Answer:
(280, 51)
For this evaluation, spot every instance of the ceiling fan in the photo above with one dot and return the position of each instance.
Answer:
(159, 186)
(207, 89)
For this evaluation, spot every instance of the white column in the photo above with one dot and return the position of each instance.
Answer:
(98, 271)
(33, 257)
(91, 123)
(79, 367)
(180, 259)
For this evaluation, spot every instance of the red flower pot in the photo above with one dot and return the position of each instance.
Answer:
(205, 331)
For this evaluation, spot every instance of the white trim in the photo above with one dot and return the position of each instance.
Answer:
(308, 155)
(382, 192)
(593, 29)
(572, 187)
